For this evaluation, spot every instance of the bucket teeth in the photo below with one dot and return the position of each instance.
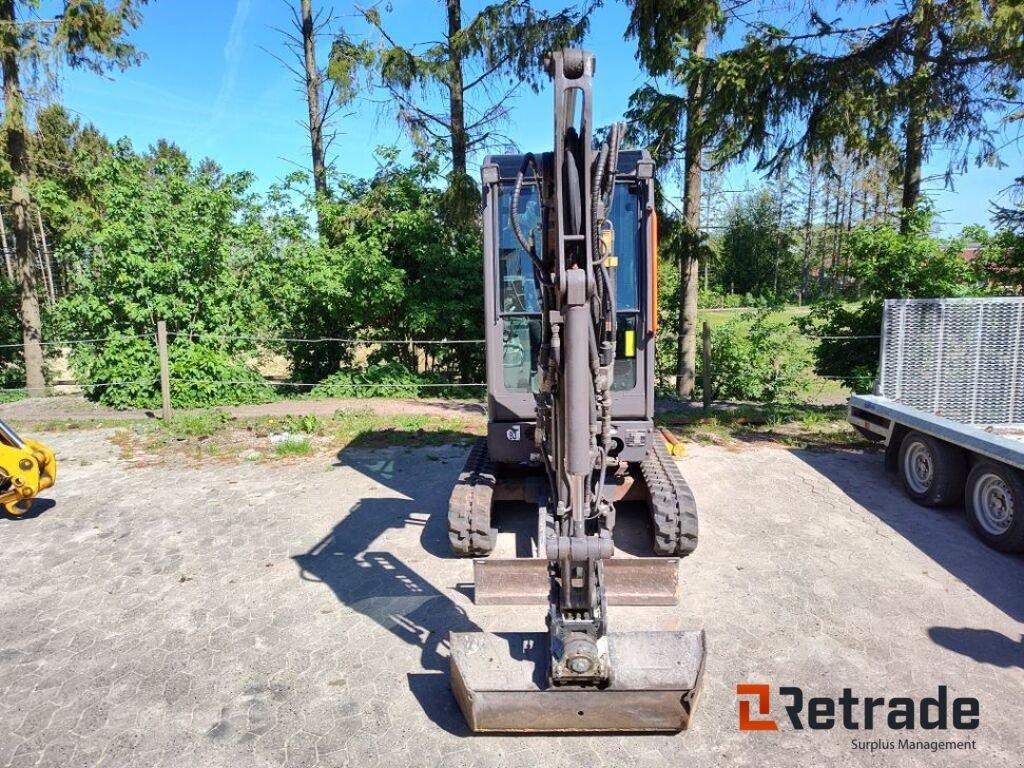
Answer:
(500, 681)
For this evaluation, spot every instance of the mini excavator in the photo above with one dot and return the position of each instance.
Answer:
(570, 260)
(26, 468)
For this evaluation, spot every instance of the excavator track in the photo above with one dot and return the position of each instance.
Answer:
(673, 509)
(469, 508)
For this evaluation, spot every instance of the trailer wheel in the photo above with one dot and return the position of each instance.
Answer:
(932, 470)
(995, 504)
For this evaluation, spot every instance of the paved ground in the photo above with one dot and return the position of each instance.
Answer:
(295, 613)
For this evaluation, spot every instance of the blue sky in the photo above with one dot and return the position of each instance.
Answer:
(210, 85)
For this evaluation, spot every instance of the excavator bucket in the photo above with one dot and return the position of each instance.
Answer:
(501, 684)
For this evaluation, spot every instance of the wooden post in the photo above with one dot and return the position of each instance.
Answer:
(705, 336)
(165, 372)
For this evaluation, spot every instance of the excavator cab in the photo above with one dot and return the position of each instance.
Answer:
(570, 288)
(513, 309)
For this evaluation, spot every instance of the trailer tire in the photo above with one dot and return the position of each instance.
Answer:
(932, 470)
(994, 498)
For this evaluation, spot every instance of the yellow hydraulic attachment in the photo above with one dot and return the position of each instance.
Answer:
(26, 468)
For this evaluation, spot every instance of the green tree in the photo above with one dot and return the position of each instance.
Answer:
(899, 80)
(392, 267)
(758, 255)
(1000, 258)
(888, 264)
(668, 31)
(87, 34)
(484, 60)
(171, 243)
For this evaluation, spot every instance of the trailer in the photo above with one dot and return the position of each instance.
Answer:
(949, 407)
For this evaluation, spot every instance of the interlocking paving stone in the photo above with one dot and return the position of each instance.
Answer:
(295, 613)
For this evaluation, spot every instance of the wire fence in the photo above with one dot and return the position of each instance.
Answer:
(258, 340)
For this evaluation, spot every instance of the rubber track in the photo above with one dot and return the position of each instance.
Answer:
(469, 508)
(673, 509)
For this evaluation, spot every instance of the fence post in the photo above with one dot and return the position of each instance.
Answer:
(705, 356)
(165, 373)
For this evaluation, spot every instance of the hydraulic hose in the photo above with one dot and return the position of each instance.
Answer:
(528, 246)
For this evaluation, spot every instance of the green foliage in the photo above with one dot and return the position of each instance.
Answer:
(12, 371)
(850, 347)
(127, 373)
(665, 345)
(203, 375)
(757, 251)
(306, 424)
(888, 265)
(392, 266)
(392, 379)
(713, 298)
(1001, 259)
(809, 89)
(169, 242)
(172, 243)
(501, 45)
(758, 358)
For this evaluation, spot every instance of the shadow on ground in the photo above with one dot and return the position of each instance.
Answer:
(39, 506)
(377, 584)
(983, 645)
(944, 535)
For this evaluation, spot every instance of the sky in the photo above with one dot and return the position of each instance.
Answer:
(210, 82)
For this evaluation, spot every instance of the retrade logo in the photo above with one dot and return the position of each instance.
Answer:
(853, 713)
(762, 696)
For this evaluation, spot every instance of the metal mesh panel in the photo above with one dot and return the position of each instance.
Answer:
(958, 358)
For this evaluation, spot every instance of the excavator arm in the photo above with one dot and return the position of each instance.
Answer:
(26, 468)
(579, 676)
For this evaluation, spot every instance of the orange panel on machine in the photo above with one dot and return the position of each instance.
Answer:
(654, 271)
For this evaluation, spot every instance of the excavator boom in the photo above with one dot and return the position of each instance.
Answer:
(578, 675)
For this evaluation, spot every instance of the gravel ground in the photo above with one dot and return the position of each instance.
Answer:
(163, 612)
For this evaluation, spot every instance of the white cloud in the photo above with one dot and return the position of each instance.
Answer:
(233, 49)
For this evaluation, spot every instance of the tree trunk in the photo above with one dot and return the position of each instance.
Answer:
(17, 156)
(47, 257)
(689, 268)
(456, 105)
(805, 266)
(823, 239)
(913, 154)
(316, 123)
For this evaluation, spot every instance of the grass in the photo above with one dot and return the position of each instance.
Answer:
(366, 429)
(822, 389)
(211, 433)
(791, 425)
(201, 424)
(719, 317)
(300, 447)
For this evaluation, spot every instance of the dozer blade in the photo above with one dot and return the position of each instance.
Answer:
(628, 581)
(500, 681)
